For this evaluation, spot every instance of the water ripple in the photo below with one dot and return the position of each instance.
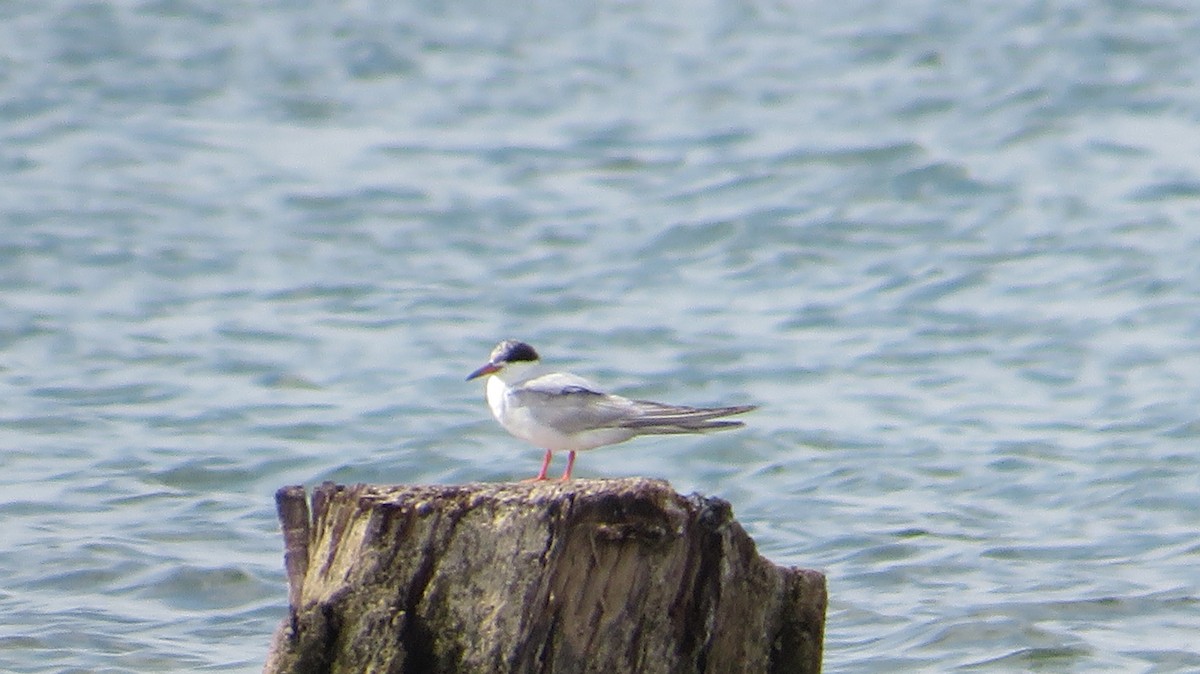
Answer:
(947, 249)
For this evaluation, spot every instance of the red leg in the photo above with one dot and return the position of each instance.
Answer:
(545, 464)
(570, 464)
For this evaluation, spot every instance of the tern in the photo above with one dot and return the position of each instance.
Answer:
(561, 412)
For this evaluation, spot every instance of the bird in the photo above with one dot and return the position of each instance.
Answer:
(564, 412)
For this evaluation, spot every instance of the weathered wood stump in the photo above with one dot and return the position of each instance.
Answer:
(612, 576)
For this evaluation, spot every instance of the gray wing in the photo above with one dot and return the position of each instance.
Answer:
(573, 404)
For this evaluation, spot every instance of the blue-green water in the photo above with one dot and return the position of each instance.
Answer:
(951, 249)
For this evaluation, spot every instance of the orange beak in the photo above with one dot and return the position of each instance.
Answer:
(486, 369)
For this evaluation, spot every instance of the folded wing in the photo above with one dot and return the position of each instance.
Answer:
(659, 418)
(572, 404)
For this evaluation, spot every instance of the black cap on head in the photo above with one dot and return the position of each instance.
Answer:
(513, 351)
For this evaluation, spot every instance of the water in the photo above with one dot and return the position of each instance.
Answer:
(951, 250)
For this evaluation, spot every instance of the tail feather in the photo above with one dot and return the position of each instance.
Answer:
(679, 429)
(658, 418)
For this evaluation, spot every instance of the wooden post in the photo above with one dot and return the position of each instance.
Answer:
(607, 576)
